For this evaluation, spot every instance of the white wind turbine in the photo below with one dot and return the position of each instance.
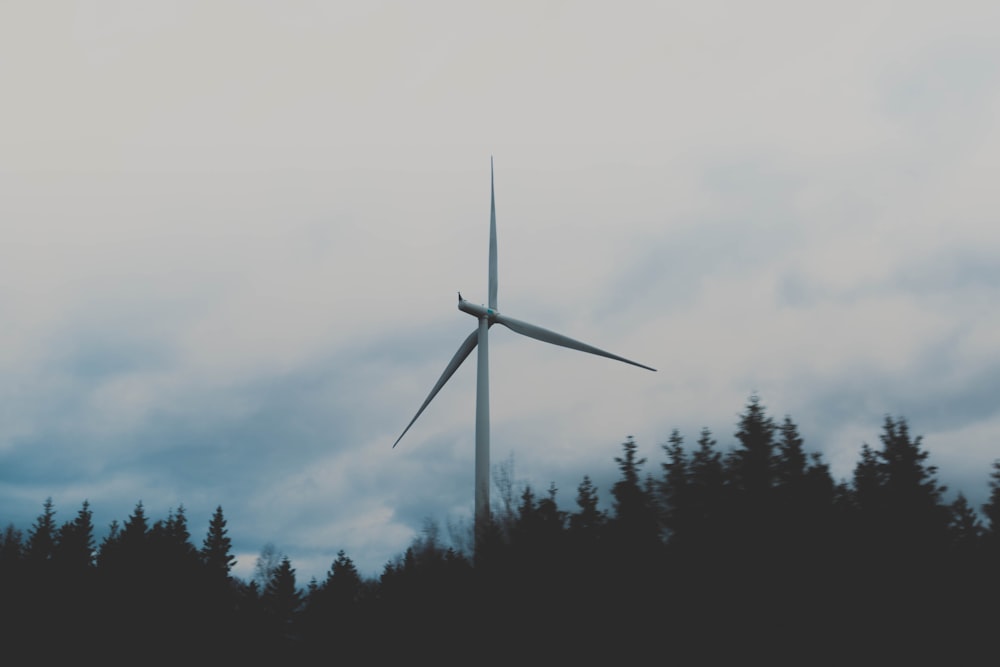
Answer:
(488, 316)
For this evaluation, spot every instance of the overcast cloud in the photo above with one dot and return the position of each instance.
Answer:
(233, 233)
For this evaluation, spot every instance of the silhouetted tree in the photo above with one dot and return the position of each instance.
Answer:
(170, 542)
(281, 597)
(674, 491)
(331, 615)
(790, 463)
(343, 584)
(552, 521)
(107, 552)
(42, 536)
(635, 526)
(589, 518)
(991, 509)
(706, 494)
(133, 539)
(911, 510)
(751, 464)
(216, 549)
(11, 548)
(964, 527)
(75, 548)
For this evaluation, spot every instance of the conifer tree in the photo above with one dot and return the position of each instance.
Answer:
(133, 542)
(281, 597)
(215, 551)
(11, 548)
(547, 534)
(991, 509)
(868, 480)
(636, 523)
(751, 464)
(911, 497)
(343, 584)
(706, 488)
(135, 529)
(526, 512)
(674, 490)
(108, 552)
(964, 527)
(589, 518)
(74, 550)
(790, 463)
(550, 517)
(42, 536)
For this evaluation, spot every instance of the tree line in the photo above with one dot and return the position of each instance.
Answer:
(754, 551)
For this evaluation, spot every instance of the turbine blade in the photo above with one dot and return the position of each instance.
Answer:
(544, 335)
(493, 243)
(468, 345)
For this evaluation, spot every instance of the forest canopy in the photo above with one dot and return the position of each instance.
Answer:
(756, 550)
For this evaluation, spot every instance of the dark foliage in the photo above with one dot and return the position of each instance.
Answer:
(751, 554)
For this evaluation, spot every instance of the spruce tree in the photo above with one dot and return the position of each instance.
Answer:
(74, 549)
(790, 463)
(706, 491)
(42, 536)
(635, 524)
(281, 597)
(912, 512)
(674, 490)
(965, 529)
(752, 463)
(215, 550)
(108, 553)
(589, 519)
(11, 548)
(343, 584)
(991, 509)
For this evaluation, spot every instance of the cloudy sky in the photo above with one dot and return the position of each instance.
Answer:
(233, 233)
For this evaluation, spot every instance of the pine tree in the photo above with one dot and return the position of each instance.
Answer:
(674, 490)
(215, 551)
(133, 543)
(343, 584)
(526, 513)
(74, 550)
(868, 481)
(911, 497)
(803, 492)
(552, 520)
(11, 548)
(42, 536)
(108, 556)
(281, 597)
(706, 490)
(135, 529)
(964, 527)
(589, 518)
(991, 509)
(790, 463)
(635, 524)
(752, 463)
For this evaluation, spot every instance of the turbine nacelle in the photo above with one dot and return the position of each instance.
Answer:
(477, 309)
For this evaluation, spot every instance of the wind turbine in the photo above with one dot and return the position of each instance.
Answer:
(488, 316)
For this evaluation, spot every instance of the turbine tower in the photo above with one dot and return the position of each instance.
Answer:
(488, 316)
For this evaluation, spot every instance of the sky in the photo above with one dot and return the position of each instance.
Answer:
(233, 233)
